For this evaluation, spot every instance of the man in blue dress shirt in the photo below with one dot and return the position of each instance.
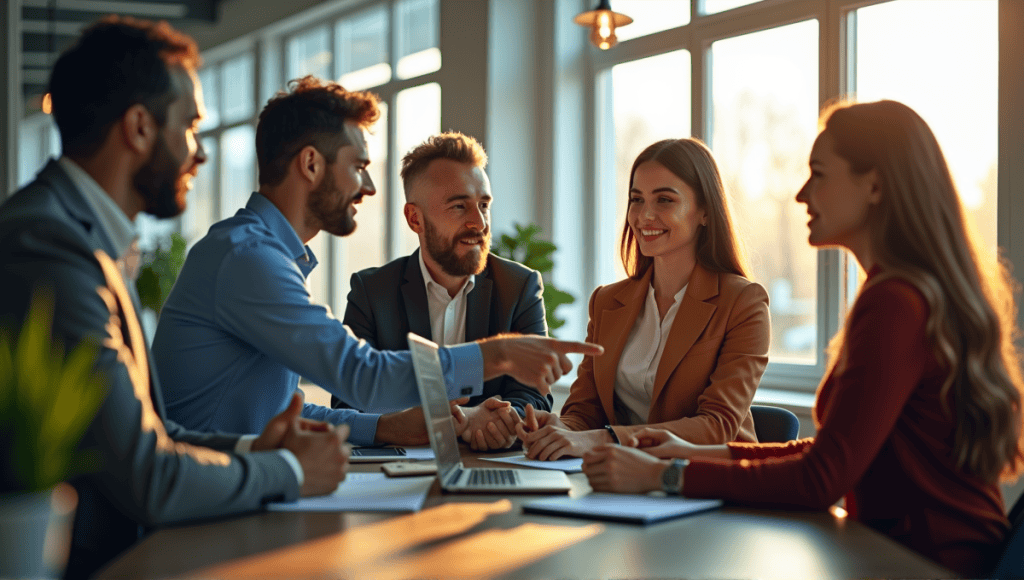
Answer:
(240, 327)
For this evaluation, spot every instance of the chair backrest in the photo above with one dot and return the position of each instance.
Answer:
(1011, 561)
(1017, 511)
(774, 424)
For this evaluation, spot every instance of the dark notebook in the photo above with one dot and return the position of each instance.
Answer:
(638, 509)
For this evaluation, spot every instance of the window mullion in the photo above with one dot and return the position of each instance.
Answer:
(700, 94)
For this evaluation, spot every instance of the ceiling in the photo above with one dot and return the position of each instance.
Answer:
(50, 26)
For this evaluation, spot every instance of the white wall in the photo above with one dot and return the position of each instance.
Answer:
(10, 100)
(512, 113)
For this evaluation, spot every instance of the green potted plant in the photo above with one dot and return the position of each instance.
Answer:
(47, 401)
(160, 270)
(525, 248)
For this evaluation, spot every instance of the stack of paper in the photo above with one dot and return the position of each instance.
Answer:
(365, 492)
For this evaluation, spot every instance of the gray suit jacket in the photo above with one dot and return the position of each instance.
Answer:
(386, 303)
(151, 471)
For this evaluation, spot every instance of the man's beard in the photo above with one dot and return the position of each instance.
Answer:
(161, 183)
(334, 218)
(443, 251)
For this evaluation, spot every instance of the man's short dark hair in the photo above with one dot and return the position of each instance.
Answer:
(118, 62)
(312, 112)
(453, 146)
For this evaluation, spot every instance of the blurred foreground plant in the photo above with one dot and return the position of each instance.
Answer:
(47, 401)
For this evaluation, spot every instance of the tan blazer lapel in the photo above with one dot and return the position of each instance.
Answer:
(616, 323)
(691, 320)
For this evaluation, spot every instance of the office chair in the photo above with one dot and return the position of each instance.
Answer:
(1011, 561)
(1017, 511)
(774, 424)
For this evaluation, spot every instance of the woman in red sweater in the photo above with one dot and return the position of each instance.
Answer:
(920, 412)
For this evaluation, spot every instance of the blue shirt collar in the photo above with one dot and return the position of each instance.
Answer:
(282, 230)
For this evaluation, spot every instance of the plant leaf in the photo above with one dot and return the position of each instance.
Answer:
(49, 400)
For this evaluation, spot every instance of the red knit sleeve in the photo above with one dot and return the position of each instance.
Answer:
(886, 357)
(741, 450)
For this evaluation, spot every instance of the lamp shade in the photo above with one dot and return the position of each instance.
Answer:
(602, 22)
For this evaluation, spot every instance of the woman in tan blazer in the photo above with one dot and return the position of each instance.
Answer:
(686, 335)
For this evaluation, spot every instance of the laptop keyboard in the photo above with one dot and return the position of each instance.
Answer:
(496, 477)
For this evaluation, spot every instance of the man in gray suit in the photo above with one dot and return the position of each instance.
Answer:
(126, 101)
(451, 289)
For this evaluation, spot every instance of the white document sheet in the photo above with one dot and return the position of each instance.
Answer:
(568, 465)
(365, 492)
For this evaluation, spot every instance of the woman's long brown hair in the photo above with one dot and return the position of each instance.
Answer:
(918, 234)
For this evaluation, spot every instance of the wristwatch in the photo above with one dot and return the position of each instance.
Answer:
(672, 477)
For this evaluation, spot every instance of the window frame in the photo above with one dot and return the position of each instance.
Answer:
(272, 42)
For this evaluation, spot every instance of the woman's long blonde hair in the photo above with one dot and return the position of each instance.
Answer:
(718, 249)
(918, 234)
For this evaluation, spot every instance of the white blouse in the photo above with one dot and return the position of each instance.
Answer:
(638, 365)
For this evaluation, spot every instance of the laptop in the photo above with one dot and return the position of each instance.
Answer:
(450, 471)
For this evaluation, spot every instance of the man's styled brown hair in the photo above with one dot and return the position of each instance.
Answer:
(312, 112)
(117, 63)
(452, 145)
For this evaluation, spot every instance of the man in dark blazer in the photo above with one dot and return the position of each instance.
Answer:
(126, 101)
(451, 289)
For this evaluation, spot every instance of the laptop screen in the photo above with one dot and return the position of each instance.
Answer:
(434, 399)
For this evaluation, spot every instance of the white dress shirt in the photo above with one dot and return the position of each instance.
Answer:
(119, 229)
(638, 365)
(124, 238)
(447, 313)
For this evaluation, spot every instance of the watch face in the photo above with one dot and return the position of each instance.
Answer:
(670, 478)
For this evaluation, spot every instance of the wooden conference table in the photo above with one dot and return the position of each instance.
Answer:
(488, 536)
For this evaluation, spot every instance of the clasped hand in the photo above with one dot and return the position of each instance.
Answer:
(320, 448)
(490, 425)
(546, 438)
(636, 465)
(408, 427)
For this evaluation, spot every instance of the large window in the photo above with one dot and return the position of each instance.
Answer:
(952, 85)
(647, 106)
(764, 103)
(388, 48)
(749, 79)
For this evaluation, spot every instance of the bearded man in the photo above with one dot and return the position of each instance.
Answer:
(452, 289)
(239, 327)
(127, 103)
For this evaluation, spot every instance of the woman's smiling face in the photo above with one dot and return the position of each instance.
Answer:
(663, 212)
